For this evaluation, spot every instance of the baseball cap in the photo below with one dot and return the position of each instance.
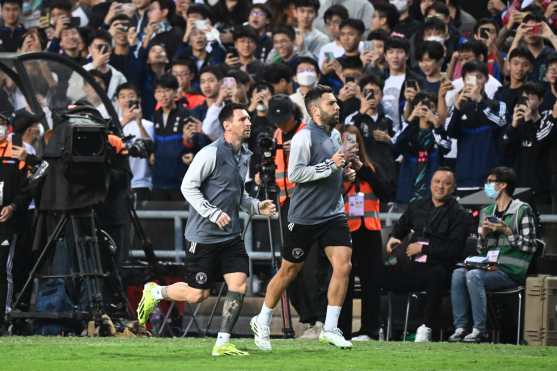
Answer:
(281, 108)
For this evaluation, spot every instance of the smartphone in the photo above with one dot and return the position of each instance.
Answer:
(233, 52)
(537, 29)
(229, 82)
(200, 24)
(349, 79)
(369, 94)
(412, 84)
(103, 48)
(366, 46)
(350, 138)
(132, 104)
(329, 56)
(75, 21)
(493, 219)
(471, 80)
(484, 33)
(17, 140)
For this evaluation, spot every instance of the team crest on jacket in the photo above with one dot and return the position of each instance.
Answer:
(201, 278)
(297, 253)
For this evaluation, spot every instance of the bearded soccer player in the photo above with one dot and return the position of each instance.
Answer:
(214, 187)
(316, 215)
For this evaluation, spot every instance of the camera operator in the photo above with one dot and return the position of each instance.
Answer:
(133, 124)
(13, 180)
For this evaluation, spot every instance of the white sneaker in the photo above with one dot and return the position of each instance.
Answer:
(334, 337)
(475, 336)
(423, 334)
(261, 335)
(361, 338)
(312, 332)
(458, 335)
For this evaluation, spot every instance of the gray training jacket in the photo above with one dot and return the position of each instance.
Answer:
(214, 183)
(317, 197)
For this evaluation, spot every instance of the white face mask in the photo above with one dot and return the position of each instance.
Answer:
(306, 78)
(3, 132)
(439, 39)
(400, 5)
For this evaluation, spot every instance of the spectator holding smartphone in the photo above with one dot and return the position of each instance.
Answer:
(100, 49)
(528, 141)
(333, 16)
(129, 108)
(477, 123)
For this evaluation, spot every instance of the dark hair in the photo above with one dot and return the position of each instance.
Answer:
(533, 88)
(434, 23)
(504, 174)
(433, 49)
(371, 79)
(387, 10)
(439, 7)
(103, 35)
(227, 112)
(213, 69)
(351, 62)
(483, 22)
(127, 86)
(308, 3)
(356, 24)
(287, 30)
(190, 64)
(276, 72)
(17, 2)
(120, 17)
(551, 58)
(64, 5)
(40, 33)
(307, 60)
(203, 10)
(245, 31)
(168, 5)
(167, 81)
(396, 42)
(378, 35)
(338, 10)
(523, 52)
(240, 76)
(536, 15)
(425, 96)
(475, 66)
(475, 46)
(315, 94)
(448, 169)
(261, 85)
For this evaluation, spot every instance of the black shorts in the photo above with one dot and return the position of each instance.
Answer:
(205, 264)
(300, 238)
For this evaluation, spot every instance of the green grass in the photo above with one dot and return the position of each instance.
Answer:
(131, 354)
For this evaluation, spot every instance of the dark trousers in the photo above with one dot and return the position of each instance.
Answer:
(434, 279)
(367, 263)
(6, 280)
(140, 195)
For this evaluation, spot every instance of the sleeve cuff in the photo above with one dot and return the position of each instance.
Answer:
(215, 215)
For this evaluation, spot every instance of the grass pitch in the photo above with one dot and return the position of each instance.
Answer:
(130, 354)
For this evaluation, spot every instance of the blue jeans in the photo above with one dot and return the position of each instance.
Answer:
(468, 290)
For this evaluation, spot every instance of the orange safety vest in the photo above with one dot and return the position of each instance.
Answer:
(281, 167)
(371, 206)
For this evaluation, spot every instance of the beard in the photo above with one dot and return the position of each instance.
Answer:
(329, 120)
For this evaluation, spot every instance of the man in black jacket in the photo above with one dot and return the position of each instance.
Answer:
(428, 241)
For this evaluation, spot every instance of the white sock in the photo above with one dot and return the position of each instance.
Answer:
(157, 292)
(331, 320)
(223, 338)
(265, 316)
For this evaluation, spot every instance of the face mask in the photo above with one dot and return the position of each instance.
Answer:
(400, 5)
(3, 132)
(439, 39)
(490, 191)
(306, 78)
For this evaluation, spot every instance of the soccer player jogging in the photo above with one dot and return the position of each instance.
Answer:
(214, 188)
(316, 214)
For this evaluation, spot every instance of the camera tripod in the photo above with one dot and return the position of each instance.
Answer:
(86, 271)
(269, 188)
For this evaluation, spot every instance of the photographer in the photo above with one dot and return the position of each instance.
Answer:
(527, 143)
(134, 125)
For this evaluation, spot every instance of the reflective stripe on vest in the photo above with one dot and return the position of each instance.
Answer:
(371, 208)
(281, 176)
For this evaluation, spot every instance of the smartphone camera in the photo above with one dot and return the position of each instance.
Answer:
(412, 84)
(133, 104)
(484, 33)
